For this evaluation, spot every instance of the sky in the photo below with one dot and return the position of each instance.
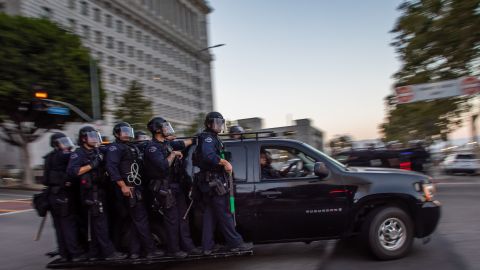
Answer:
(329, 61)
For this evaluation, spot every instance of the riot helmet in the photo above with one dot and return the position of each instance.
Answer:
(158, 125)
(215, 122)
(123, 131)
(60, 141)
(90, 136)
(236, 130)
(141, 136)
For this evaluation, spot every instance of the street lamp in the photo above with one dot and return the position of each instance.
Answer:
(211, 47)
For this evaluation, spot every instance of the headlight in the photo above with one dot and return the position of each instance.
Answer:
(429, 191)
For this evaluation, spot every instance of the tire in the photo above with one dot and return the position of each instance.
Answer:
(388, 233)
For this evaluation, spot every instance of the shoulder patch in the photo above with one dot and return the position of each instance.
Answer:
(112, 148)
(152, 149)
(208, 140)
(73, 155)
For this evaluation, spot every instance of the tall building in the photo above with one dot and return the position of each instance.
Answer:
(159, 43)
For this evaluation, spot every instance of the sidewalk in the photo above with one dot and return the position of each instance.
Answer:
(10, 183)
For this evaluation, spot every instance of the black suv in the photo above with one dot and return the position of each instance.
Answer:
(315, 197)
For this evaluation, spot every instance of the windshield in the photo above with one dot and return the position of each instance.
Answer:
(335, 162)
(465, 156)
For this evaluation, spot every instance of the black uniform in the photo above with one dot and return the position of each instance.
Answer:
(92, 195)
(207, 157)
(163, 184)
(123, 163)
(61, 199)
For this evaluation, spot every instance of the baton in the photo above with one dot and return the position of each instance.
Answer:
(89, 233)
(232, 198)
(188, 210)
(40, 229)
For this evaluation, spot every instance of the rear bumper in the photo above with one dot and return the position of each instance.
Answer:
(426, 218)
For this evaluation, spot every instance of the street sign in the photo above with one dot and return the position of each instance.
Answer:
(443, 89)
(58, 110)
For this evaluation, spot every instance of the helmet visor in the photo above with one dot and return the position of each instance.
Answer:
(126, 133)
(167, 129)
(64, 143)
(142, 137)
(93, 138)
(218, 125)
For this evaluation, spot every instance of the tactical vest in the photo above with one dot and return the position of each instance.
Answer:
(198, 157)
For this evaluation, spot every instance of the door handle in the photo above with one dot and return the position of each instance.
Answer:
(271, 194)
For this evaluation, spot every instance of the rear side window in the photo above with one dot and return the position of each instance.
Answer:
(238, 160)
(465, 156)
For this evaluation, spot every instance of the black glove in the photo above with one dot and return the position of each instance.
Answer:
(95, 162)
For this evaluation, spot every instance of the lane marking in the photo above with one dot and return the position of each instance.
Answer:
(16, 212)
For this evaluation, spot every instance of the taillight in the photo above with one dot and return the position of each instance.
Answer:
(406, 166)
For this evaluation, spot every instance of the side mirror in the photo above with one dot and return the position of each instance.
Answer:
(320, 169)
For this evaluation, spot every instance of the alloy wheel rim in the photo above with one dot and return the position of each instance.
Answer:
(392, 234)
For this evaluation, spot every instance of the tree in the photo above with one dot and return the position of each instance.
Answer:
(340, 142)
(37, 54)
(436, 40)
(134, 107)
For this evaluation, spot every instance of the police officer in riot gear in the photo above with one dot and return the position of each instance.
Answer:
(236, 132)
(61, 197)
(161, 156)
(211, 181)
(86, 165)
(141, 140)
(123, 163)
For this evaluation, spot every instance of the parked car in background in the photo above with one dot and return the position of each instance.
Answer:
(461, 163)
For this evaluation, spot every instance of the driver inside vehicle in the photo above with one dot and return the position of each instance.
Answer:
(268, 172)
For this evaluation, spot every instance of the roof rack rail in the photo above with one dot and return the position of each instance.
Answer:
(269, 134)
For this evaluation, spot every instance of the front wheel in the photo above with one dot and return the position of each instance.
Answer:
(388, 232)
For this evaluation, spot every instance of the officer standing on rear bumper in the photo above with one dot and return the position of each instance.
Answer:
(61, 197)
(161, 155)
(86, 165)
(123, 161)
(211, 181)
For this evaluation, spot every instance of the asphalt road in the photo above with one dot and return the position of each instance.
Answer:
(454, 245)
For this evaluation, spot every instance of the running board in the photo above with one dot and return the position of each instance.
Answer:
(57, 264)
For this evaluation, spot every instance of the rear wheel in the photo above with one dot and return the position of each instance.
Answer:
(388, 232)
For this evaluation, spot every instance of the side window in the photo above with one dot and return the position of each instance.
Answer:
(238, 160)
(284, 163)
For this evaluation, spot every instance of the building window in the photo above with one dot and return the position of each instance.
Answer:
(71, 4)
(147, 41)
(99, 57)
(129, 31)
(138, 36)
(98, 37)
(131, 69)
(111, 61)
(108, 20)
(141, 72)
(72, 24)
(121, 47)
(155, 45)
(97, 15)
(121, 65)
(47, 13)
(119, 26)
(84, 8)
(131, 51)
(123, 82)
(113, 79)
(140, 55)
(148, 59)
(110, 43)
(86, 32)
(150, 75)
(156, 62)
